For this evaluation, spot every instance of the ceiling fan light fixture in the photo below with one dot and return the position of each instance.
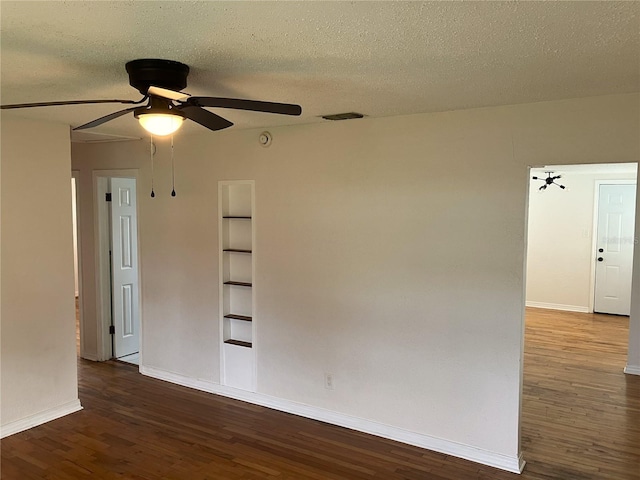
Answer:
(161, 82)
(160, 124)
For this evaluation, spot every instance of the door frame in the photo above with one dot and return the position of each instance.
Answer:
(75, 174)
(594, 235)
(102, 234)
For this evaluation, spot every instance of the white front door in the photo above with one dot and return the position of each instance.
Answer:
(124, 261)
(614, 249)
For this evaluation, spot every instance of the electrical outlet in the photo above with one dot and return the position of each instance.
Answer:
(328, 381)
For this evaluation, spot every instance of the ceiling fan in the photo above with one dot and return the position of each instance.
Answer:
(549, 181)
(160, 82)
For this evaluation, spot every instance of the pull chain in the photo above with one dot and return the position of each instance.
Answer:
(173, 176)
(151, 152)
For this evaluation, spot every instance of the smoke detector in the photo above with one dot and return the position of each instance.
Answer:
(264, 139)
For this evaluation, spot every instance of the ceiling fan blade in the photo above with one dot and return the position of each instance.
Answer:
(69, 102)
(106, 118)
(204, 118)
(240, 104)
(166, 93)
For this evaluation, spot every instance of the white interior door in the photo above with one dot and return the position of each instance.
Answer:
(615, 242)
(124, 241)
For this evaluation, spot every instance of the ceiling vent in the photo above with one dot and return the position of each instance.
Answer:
(343, 116)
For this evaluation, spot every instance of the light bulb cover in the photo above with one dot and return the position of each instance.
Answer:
(160, 124)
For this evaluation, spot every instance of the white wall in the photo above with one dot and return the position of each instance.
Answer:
(560, 237)
(38, 360)
(389, 252)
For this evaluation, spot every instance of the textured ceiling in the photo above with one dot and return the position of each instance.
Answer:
(377, 58)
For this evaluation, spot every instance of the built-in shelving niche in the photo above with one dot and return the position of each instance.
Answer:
(237, 256)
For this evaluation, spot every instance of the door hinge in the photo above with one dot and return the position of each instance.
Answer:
(112, 330)
(107, 197)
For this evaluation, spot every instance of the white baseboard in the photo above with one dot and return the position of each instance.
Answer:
(513, 464)
(89, 356)
(632, 370)
(558, 306)
(39, 418)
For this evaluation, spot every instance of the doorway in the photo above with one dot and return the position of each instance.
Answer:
(118, 285)
(562, 246)
(561, 254)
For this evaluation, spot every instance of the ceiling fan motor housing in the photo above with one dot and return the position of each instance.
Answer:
(146, 72)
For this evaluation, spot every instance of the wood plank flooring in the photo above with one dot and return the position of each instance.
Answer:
(581, 421)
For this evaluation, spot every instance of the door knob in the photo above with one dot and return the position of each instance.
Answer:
(601, 250)
(600, 259)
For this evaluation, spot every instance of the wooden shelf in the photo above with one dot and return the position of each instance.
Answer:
(238, 218)
(239, 284)
(238, 317)
(236, 250)
(239, 343)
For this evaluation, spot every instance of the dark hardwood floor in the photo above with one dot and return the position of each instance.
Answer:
(581, 421)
